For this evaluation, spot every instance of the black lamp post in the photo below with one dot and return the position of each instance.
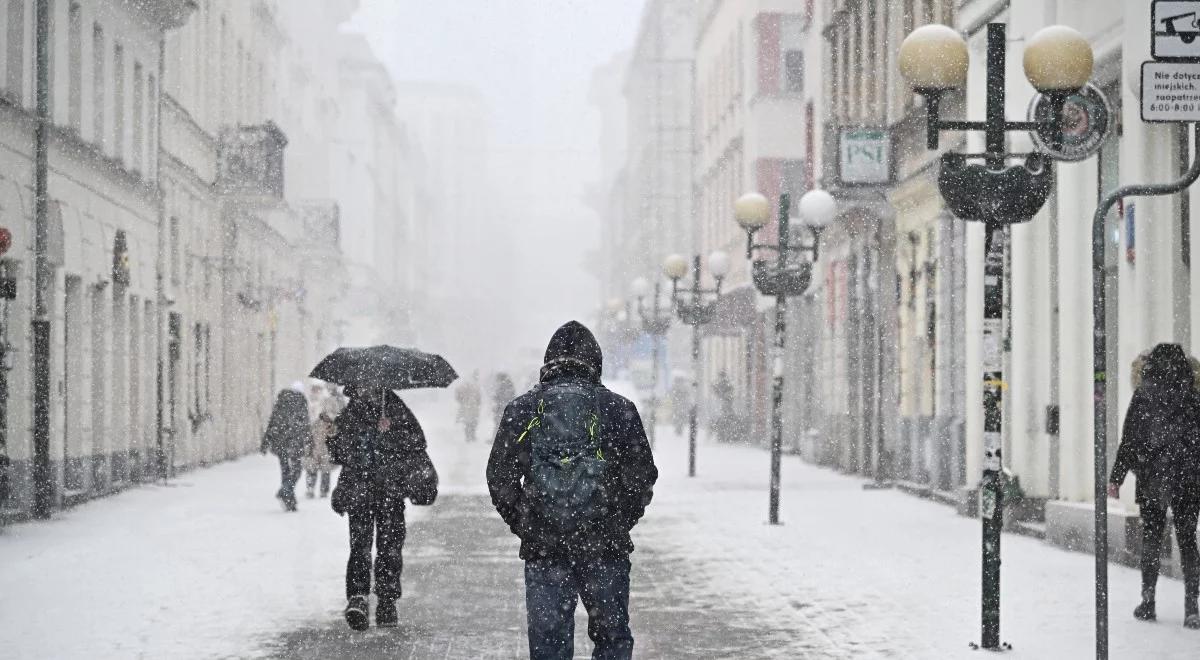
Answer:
(783, 280)
(1058, 62)
(656, 321)
(695, 306)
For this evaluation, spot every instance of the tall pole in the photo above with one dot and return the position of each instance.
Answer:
(777, 363)
(692, 421)
(42, 487)
(991, 507)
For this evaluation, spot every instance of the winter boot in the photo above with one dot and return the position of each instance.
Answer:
(1191, 613)
(385, 614)
(1145, 611)
(356, 613)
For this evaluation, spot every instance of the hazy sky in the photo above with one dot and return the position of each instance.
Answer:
(533, 62)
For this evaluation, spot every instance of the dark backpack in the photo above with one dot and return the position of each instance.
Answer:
(566, 468)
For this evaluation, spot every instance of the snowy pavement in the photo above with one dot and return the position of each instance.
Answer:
(209, 567)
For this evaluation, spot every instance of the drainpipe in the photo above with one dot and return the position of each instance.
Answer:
(43, 488)
(160, 294)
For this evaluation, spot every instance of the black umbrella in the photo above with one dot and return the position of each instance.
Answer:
(384, 367)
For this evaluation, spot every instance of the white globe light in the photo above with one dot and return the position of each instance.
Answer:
(1058, 59)
(752, 211)
(640, 287)
(817, 208)
(718, 264)
(675, 266)
(934, 57)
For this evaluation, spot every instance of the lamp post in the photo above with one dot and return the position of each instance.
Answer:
(783, 280)
(696, 307)
(1058, 62)
(655, 322)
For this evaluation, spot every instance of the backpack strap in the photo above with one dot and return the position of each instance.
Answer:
(593, 422)
(537, 417)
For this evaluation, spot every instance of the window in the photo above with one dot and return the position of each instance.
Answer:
(98, 81)
(793, 67)
(75, 67)
(174, 249)
(14, 75)
(139, 120)
(151, 124)
(118, 101)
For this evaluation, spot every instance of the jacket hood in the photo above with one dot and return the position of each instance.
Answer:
(1168, 367)
(573, 349)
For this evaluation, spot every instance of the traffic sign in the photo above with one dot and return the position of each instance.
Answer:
(1175, 30)
(1170, 91)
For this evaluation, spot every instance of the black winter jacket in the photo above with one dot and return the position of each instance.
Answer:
(1160, 440)
(379, 465)
(574, 356)
(288, 430)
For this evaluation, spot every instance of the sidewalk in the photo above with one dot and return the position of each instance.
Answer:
(210, 567)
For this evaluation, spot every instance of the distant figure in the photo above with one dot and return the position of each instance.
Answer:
(323, 409)
(681, 403)
(469, 400)
(381, 448)
(724, 423)
(571, 472)
(1160, 444)
(287, 436)
(502, 393)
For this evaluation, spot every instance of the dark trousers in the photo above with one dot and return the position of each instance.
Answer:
(289, 474)
(1185, 508)
(552, 588)
(383, 525)
(310, 480)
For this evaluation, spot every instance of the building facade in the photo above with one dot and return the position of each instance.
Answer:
(196, 228)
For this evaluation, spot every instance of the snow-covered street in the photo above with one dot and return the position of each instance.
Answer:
(209, 567)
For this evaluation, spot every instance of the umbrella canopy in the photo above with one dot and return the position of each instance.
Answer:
(385, 367)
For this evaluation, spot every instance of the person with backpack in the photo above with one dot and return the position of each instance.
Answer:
(381, 447)
(288, 437)
(571, 472)
(1160, 444)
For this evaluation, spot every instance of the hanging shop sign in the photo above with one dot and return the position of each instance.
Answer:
(864, 157)
(1087, 119)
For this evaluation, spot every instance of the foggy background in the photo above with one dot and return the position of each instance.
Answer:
(523, 264)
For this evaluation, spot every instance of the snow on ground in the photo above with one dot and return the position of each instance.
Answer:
(210, 567)
(880, 573)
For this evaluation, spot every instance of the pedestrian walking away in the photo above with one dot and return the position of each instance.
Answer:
(469, 401)
(1160, 444)
(288, 436)
(502, 393)
(381, 448)
(571, 473)
(323, 408)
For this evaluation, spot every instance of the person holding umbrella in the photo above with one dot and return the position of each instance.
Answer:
(381, 447)
(287, 436)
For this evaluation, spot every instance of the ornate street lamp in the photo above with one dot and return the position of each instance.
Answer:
(783, 280)
(984, 187)
(656, 321)
(695, 306)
